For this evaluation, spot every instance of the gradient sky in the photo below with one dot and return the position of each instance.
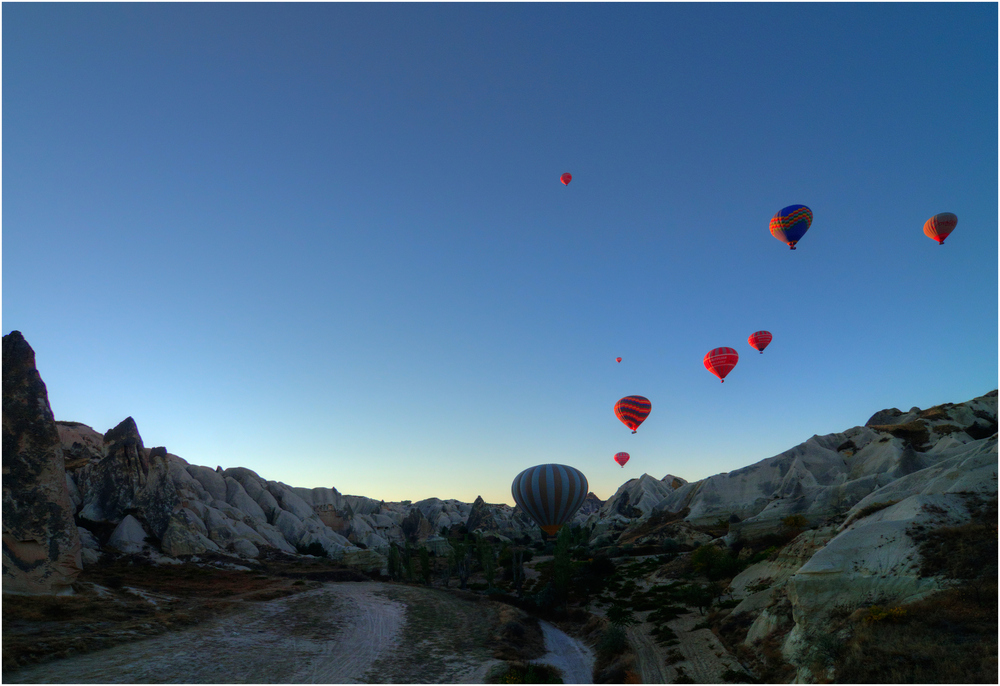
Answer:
(328, 242)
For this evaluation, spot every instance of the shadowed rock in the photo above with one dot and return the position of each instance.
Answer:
(41, 544)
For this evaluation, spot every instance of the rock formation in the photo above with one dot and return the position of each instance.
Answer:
(41, 544)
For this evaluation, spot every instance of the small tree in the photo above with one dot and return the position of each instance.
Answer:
(425, 566)
(463, 563)
(487, 559)
(561, 564)
(408, 561)
(394, 563)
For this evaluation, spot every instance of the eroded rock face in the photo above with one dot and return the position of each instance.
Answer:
(41, 544)
(823, 478)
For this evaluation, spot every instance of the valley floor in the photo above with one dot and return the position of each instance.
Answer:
(353, 632)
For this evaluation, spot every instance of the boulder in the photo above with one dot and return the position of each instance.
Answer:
(186, 535)
(128, 536)
(41, 543)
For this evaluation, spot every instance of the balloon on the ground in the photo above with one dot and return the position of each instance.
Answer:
(618, 359)
(759, 340)
(621, 458)
(791, 223)
(566, 178)
(720, 361)
(550, 494)
(633, 410)
(940, 225)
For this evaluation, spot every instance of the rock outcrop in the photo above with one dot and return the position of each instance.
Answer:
(823, 478)
(41, 544)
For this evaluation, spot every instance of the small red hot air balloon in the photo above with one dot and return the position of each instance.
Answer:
(632, 410)
(618, 360)
(720, 361)
(566, 178)
(621, 458)
(759, 340)
(940, 225)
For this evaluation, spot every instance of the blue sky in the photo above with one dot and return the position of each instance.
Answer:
(328, 242)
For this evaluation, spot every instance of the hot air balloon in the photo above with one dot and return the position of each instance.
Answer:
(720, 361)
(566, 178)
(550, 494)
(621, 458)
(759, 340)
(618, 360)
(940, 225)
(632, 410)
(791, 223)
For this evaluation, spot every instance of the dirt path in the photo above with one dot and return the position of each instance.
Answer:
(570, 656)
(341, 633)
(704, 656)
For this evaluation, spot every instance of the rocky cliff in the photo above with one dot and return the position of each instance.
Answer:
(41, 546)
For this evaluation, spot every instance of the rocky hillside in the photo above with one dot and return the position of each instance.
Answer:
(73, 494)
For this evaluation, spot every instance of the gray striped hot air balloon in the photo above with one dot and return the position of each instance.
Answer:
(550, 493)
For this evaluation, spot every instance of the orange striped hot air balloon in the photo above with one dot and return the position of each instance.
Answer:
(940, 225)
(621, 458)
(566, 178)
(720, 361)
(759, 340)
(633, 410)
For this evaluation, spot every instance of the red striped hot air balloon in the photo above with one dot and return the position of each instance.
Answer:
(940, 225)
(621, 458)
(566, 178)
(720, 361)
(633, 410)
(550, 494)
(618, 360)
(759, 340)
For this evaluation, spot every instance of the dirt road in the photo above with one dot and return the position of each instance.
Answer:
(570, 656)
(340, 633)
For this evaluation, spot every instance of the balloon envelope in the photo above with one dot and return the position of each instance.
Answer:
(621, 458)
(940, 225)
(633, 410)
(618, 359)
(791, 223)
(720, 361)
(550, 494)
(759, 340)
(566, 178)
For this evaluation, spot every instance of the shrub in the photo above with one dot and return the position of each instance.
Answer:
(868, 510)
(877, 613)
(795, 521)
(613, 642)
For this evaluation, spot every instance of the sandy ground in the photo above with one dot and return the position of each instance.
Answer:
(574, 659)
(341, 633)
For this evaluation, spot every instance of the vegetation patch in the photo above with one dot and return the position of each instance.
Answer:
(524, 673)
(942, 639)
(915, 433)
(868, 510)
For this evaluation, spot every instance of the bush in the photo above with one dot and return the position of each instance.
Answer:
(715, 563)
(868, 510)
(613, 642)
(795, 521)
